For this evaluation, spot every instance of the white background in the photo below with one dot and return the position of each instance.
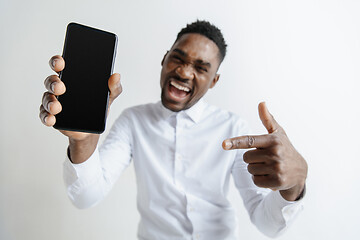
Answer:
(301, 57)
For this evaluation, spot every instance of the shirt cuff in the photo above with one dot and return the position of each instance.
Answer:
(77, 176)
(289, 209)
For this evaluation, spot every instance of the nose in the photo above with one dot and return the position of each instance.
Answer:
(185, 72)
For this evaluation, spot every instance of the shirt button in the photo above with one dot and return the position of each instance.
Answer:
(178, 157)
(191, 209)
(197, 236)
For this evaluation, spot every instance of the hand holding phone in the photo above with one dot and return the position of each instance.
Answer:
(82, 143)
(50, 106)
(81, 94)
(89, 54)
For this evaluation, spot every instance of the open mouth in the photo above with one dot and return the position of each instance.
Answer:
(178, 92)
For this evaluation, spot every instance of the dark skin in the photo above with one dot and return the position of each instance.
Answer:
(274, 163)
(192, 62)
(189, 70)
(81, 145)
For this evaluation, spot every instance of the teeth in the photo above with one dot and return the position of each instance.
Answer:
(185, 89)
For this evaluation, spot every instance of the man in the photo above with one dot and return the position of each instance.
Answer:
(182, 170)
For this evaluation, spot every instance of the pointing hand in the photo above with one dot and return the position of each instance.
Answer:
(274, 163)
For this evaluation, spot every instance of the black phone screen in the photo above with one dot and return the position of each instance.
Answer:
(89, 55)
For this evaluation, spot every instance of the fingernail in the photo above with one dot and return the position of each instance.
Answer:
(49, 105)
(54, 62)
(227, 144)
(45, 119)
(52, 86)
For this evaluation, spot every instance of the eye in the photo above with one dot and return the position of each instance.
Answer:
(177, 59)
(201, 69)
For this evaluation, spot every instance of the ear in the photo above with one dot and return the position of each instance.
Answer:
(215, 80)
(162, 61)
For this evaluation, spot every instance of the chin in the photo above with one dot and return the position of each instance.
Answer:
(175, 107)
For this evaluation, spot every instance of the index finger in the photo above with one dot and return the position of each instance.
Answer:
(249, 141)
(57, 63)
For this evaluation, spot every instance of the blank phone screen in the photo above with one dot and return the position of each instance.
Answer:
(89, 55)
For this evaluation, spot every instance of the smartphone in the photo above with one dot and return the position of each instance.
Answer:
(89, 55)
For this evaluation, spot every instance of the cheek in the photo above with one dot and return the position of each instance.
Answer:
(162, 76)
(203, 85)
(169, 65)
(166, 68)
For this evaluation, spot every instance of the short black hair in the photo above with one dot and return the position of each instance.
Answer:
(208, 30)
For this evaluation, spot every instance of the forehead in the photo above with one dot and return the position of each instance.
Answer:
(197, 46)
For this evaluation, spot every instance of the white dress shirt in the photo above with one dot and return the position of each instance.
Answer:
(182, 174)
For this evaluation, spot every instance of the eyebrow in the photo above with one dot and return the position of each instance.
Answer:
(198, 61)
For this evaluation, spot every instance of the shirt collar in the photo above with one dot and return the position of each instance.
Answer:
(166, 113)
(194, 112)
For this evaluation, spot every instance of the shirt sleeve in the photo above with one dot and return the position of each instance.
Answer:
(268, 210)
(89, 182)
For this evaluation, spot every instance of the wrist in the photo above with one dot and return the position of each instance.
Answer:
(295, 193)
(80, 150)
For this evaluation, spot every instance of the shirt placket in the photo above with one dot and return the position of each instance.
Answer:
(178, 166)
(180, 171)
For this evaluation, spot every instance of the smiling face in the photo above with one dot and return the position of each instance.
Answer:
(188, 71)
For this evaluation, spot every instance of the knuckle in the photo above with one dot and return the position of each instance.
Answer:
(277, 168)
(250, 141)
(276, 140)
(277, 153)
(279, 179)
(235, 143)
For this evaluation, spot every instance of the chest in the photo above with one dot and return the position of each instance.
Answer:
(182, 153)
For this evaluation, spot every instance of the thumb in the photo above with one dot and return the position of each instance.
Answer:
(267, 119)
(114, 86)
